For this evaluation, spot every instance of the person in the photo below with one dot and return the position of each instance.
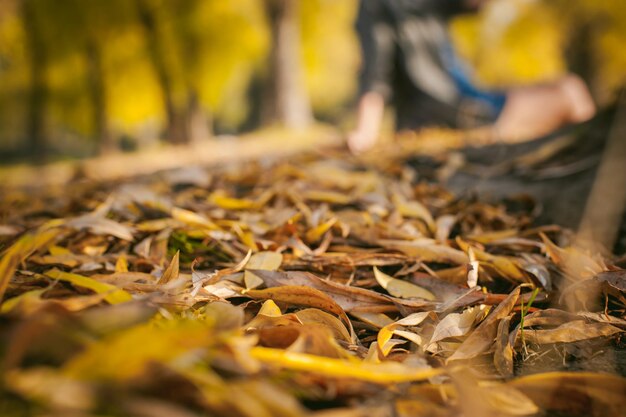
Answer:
(409, 62)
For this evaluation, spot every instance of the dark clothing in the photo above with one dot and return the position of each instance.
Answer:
(403, 44)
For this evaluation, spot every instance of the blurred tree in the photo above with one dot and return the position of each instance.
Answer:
(38, 60)
(215, 74)
(217, 70)
(153, 17)
(93, 24)
(512, 42)
(14, 74)
(331, 54)
(191, 46)
(287, 101)
(79, 76)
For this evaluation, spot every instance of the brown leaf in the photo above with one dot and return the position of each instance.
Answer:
(580, 393)
(301, 296)
(503, 355)
(348, 297)
(268, 261)
(101, 226)
(572, 331)
(483, 337)
(171, 273)
(20, 250)
(427, 250)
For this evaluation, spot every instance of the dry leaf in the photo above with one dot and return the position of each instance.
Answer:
(484, 335)
(402, 289)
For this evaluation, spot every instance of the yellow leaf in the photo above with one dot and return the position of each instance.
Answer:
(229, 203)
(20, 250)
(414, 210)
(247, 238)
(379, 373)
(171, 273)
(401, 289)
(58, 251)
(385, 334)
(114, 295)
(316, 233)
(489, 237)
(384, 337)
(331, 197)
(31, 297)
(122, 264)
(128, 353)
(503, 265)
(270, 309)
(193, 219)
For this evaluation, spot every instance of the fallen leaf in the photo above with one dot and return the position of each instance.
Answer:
(101, 226)
(484, 335)
(383, 373)
(172, 271)
(302, 296)
(229, 203)
(267, 261)
(20, 250)
(315, 234)
(384, 335)
(113, 295)
(579, 393)
(572, 331)
(503, 354)
(456, 324)
(414, 209)
(402, 289)
(427, 250)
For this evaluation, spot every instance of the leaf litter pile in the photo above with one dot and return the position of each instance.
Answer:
(314, 286)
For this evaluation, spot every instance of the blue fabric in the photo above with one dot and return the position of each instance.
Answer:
(461, 74)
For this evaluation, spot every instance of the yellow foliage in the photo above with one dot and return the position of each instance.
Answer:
(13, 79)
(133, 95)
(222, 71)
(331, 51)
(511, 43)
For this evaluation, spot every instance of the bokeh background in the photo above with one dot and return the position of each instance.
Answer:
(80, 78)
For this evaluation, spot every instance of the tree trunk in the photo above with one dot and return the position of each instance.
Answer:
(199, 121)
(176, 130)
(287, 100)
(36, 131)
(97, 87)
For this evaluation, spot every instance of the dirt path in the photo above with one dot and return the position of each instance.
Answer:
(218, 151)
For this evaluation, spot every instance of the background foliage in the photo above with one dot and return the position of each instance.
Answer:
(111, 73)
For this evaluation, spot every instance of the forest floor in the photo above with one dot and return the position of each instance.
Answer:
(219, 150)
(233, 280)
